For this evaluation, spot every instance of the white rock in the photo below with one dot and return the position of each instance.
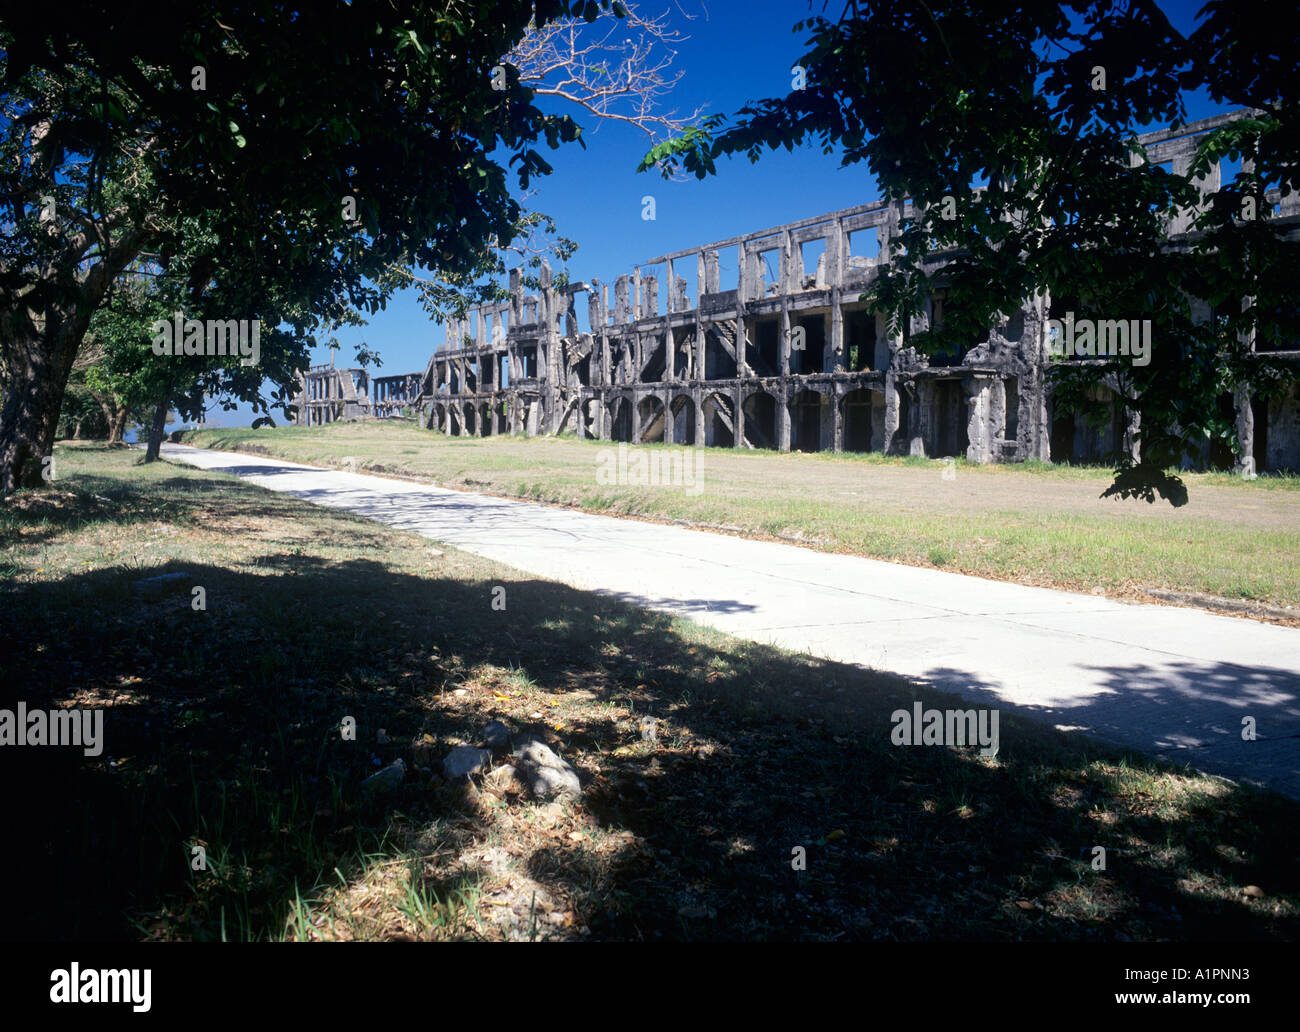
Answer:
(548, 776)
(465, 760)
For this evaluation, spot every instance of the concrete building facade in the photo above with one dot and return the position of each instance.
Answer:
(780, 353)
(327, 394)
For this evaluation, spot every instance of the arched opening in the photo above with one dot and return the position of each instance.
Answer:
(760, 420)
(620, 420)
(719, 424)
(650, 420)
(589, 419)
(683, 419)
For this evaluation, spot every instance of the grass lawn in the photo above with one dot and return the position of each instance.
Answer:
(1034, 524)
(222, 731)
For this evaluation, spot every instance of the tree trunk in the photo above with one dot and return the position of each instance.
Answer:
(115, 418)
(40, 360)
(156, 431)
(39, 338)
(117, 425)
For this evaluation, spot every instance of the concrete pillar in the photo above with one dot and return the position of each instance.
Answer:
(784, 343)
(649, 307)
(835, 352)
(783, 418)
(791, 264)
(751, 277)
(921, 430)
(892, 407)
(833, 259)
(978, 430)
(738, 418)
(706, 273)
(837, 417)
(621, 301)
(997, 415)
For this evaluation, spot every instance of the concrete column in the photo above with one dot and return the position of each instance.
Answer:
(835, 352)
(997, 413)
(712, 279)
(783, 418)
(834, 256)
(621, 301)
(784, 343)
(921, 430)
(791, 264)
(837, 417)
(738, 418)
(978, 431)
(892, 407)
(649, 308)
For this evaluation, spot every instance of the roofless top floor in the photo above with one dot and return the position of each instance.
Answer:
(806, 263)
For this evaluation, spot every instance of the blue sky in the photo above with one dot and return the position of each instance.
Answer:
(737, 51)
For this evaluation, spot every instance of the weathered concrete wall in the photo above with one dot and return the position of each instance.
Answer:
(1283, 432)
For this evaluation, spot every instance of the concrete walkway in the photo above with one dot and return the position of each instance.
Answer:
(1175, 682)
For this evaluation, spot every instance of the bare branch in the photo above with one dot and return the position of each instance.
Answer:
(618, 69)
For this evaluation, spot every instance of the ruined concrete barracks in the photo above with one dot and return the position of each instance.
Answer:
(781, 356)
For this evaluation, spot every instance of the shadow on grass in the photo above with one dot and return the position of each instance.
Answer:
(221, 730)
